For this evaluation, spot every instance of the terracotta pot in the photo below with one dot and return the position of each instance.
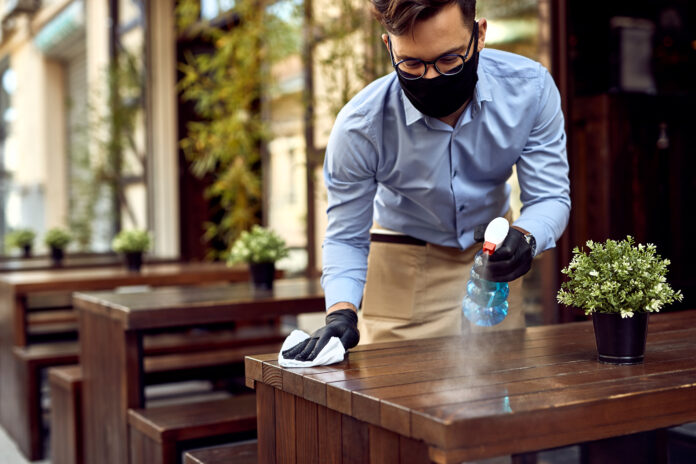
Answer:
(262, 275)
(620, 340)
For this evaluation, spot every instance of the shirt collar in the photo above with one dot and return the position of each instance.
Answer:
(482, 93)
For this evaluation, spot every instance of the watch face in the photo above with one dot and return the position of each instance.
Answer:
(532, 242)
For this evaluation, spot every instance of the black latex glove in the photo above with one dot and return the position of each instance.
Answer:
(342, 323)
(512, 259)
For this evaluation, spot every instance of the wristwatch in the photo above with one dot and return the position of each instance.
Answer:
(531, 241)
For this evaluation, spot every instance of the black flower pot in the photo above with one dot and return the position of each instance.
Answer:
(57, 255)
(26, 251)
(620, 340)
(262, 275)
(134, 261)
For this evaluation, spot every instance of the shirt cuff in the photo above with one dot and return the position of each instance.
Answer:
(545, 238)
(342, 289)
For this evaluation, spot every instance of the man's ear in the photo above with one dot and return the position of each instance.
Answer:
(385, 39)
(482, 26)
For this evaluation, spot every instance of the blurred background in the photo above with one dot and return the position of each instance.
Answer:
(195, 119)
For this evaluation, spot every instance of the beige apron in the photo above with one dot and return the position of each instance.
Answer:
(416, 291)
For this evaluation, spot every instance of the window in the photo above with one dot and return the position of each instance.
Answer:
(211, 9)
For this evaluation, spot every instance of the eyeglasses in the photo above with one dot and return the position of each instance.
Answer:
(447, 65)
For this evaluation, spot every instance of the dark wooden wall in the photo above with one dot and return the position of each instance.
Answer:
(622, 180)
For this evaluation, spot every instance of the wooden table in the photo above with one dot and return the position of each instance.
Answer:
(111, 332)
(17, 288)
(456, 399)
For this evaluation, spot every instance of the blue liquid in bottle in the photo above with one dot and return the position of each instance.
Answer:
(485, 303)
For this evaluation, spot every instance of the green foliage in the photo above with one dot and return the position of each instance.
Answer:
(617, 277)
(259, 245)
(57, 238)
(20, 238)
(227, 87)
(131, 241)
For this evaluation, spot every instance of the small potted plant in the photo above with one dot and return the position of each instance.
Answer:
(57, 239)
(22, 239)
(132, 243)
(619, 283)
(260, 248)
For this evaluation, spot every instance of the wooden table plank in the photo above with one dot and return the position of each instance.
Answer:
(178, 306)
(393, 385)
(384, 446)
(449, 389)
(265, 420)
(306, 428)
(286, 451)
(330, 435)
(354, 433)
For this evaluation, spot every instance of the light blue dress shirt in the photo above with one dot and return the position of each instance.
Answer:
(424, 178)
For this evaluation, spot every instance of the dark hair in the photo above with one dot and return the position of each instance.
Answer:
(399, 16)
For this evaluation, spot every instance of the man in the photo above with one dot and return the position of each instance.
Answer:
(428, 150)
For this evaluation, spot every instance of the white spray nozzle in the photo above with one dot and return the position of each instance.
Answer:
(495, 233)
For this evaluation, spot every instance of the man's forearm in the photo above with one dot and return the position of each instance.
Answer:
(341, 305)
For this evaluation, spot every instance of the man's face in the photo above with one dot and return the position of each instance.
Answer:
(443, 33)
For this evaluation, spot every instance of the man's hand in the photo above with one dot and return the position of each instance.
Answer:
(342, 323)
(512, 259)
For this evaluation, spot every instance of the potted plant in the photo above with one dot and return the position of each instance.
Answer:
(57, 239)
(132, 243)
(22, 239)
(260, 248)
(619, 283)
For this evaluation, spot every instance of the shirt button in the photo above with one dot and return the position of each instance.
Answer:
(461, 208)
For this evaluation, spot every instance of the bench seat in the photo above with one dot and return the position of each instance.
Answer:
(158, 434)
(237, 453)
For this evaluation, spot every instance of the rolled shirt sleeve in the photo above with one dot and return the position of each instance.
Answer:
(349, 175)
(542, 171)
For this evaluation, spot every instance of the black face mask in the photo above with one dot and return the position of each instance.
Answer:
(443, 95)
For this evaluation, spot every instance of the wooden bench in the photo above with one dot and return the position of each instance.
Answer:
(237, 453)
(27, 428)
(681, 443)
(159, 434)
(170, 357)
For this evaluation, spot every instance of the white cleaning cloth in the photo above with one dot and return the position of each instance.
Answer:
(332, 353)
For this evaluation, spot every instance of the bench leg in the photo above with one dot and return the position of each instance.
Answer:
(66, 425)
(637, 448)
(145, 450)
(27, 429)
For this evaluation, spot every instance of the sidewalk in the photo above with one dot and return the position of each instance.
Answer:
(9, 453)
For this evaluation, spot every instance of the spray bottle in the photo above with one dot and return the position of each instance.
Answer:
(485, 303)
